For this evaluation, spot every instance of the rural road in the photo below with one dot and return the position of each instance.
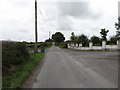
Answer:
(62, 70)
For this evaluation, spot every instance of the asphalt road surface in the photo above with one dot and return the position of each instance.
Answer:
(73, 69)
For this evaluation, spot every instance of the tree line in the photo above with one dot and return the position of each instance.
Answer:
(58, 37)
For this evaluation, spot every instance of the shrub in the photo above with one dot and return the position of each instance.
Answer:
(40, 44)
(63, 45)
(13, 54)
(97, 44)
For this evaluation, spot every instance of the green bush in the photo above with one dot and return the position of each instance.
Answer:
(111, 42)
(17, 79)
(13, 54)
(63, 45)
(97, 44)
(45, 44)
(40, 44)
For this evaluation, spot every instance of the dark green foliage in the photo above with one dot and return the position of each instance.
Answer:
(96, 40)
(13, 54)
(58, 37)
(45, 44)
(104, 34)
(98, 44)
(49, 40)
(117, 26)
(73, 38)
(112, 40)
(83, 39)
(63, 45)
(17, 79)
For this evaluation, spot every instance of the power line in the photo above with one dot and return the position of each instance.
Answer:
(43, 17)
(40, 11)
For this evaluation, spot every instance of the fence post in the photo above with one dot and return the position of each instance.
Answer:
(118, 44)
(90, 45)
(103, 45)
(68, 45)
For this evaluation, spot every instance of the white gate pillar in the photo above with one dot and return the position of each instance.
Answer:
(118, 44)
(103, 45)
(91, 45)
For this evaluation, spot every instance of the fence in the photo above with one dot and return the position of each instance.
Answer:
(91, 47)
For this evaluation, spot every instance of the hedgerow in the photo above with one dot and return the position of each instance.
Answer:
(13, 54)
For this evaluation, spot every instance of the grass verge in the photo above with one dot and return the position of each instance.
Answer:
(48, 46)
(60, 46)
(17, 79)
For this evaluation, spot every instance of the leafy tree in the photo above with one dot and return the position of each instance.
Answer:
(104, 34)
(73, 38)
(83, 39)
(117, 26)
(48, 40)
(113, 39)
(58, 37)
(95, 40)
(78, 40)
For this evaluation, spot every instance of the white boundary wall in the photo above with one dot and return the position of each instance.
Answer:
(91, 47)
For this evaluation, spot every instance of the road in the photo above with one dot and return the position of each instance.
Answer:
(62, 69)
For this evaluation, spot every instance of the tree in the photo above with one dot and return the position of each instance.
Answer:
(58, 37)
(73, 38)
(113, 39)
(95, 40)
(48, 40)
(78, 40)
(104, 34)
(117, 26)
(83, 39)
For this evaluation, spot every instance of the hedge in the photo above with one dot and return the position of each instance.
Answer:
(13, 54)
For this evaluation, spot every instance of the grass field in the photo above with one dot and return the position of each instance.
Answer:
(17, 79)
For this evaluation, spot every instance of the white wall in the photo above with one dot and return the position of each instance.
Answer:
(91, 47)
(111, 46)
(97, 47)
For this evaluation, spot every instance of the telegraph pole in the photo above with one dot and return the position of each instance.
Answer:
(49, 34)
(36, 36)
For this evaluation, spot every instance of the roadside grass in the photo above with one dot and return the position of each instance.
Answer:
(60, 46)
(17, 79)
(48, 46)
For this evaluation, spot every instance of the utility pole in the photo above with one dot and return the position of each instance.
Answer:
(36, 49)
(49, 34)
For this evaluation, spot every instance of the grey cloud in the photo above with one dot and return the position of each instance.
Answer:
(77, 9)
(64, 23)
(23, 31)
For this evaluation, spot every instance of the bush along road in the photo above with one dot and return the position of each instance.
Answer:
(17, 64)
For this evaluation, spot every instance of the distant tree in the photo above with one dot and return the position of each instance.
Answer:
(113, 39)
(95, 40)
(78, 39)
(73, 38)
(58, 37)
(104, 34)
(83, 39)
(117, 26)
(48, 40)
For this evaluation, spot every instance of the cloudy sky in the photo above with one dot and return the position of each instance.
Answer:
(66, 16)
